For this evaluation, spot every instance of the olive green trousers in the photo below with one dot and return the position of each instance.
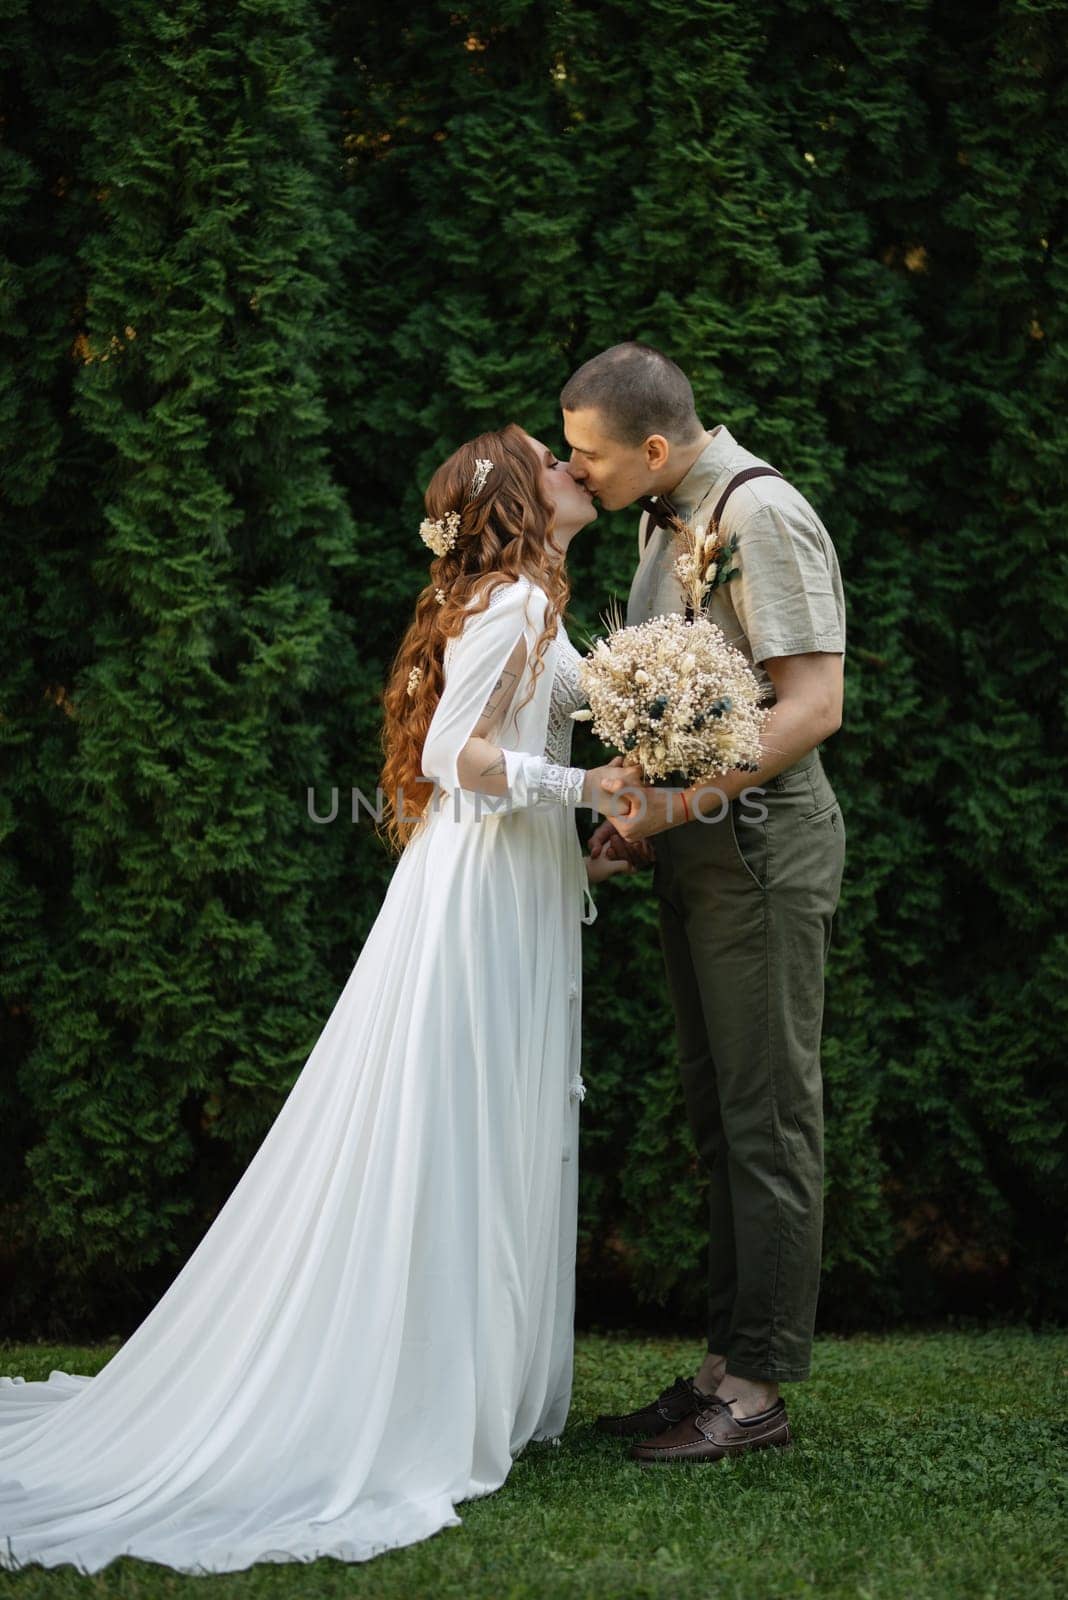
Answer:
(746, 909)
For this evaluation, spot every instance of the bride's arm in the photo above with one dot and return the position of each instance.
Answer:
(488, 768)
(480, 764)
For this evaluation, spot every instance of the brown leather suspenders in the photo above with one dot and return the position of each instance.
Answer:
(739, 477)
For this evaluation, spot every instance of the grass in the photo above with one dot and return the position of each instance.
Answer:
(927, 1466)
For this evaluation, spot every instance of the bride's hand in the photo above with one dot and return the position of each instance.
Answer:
(606, 839)
(598, 868)
(622, 776)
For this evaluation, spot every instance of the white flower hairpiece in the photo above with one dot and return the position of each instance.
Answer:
(440, 533)
(413, 679)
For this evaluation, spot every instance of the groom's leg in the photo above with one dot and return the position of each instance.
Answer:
(758, 901)
(698, 1074)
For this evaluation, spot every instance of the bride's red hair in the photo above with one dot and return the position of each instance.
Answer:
(504, 531)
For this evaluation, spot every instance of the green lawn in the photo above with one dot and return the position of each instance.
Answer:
(926, 1465)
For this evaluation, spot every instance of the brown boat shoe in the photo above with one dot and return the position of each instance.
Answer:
(680, 1400)
(715, 1432)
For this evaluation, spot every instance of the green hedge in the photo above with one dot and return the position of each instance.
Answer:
(260, 272)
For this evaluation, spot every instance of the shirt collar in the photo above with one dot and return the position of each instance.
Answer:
(714, 461)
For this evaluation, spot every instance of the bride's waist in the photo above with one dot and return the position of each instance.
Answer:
(471, 808)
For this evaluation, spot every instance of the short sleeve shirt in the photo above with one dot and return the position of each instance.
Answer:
(788, 597)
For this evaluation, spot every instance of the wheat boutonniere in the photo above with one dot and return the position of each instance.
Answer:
(703, 559)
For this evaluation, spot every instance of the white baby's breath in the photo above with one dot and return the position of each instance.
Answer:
(440, 533)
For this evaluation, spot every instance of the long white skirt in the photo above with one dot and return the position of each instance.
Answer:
(381, 1315)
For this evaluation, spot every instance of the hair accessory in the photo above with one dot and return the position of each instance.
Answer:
(483, 469)
(414, 678)
(440, 533)
(439, 596)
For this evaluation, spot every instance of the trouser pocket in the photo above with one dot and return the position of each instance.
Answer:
(751, 842)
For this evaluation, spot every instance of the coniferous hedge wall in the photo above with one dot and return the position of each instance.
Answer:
(260, 268)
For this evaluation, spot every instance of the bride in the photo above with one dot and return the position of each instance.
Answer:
(380, 1317)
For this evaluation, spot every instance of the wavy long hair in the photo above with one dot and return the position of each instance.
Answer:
(504, 532)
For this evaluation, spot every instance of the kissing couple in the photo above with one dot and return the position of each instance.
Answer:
(380, 1318)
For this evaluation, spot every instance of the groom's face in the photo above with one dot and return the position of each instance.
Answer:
(614, 473)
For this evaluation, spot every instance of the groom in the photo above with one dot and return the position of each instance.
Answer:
(747, 877)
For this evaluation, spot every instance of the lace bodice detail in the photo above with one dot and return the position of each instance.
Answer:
(566, 697)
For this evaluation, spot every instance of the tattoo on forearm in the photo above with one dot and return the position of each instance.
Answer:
(497, 766)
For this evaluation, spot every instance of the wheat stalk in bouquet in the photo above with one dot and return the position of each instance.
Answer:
(671, 693)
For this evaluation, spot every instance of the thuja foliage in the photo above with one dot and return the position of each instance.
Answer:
(261, 271)
(176, 654)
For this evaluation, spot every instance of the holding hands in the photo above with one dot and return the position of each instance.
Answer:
(609, 850)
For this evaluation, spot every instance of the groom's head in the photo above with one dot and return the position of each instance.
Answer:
(630, 422)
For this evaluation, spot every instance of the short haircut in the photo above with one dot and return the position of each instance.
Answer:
(638, 391)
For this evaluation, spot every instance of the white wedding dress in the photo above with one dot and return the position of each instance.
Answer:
(381, 1315)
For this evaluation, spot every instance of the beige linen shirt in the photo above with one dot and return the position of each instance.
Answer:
(788, 596)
